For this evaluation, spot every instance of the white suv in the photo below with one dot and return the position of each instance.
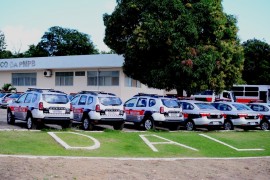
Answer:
(96, 107)
(38, 106)
(151, 110)
(201, 114)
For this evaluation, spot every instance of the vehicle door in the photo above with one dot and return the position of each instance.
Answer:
(25, 106)
(139, 109)
(76, 109)
(129, 109)
(18, 107)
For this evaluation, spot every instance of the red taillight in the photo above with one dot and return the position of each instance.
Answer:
(97, 108)
(261, 116)
(242, 115)
(224, 115)
(71, 108)
(161, 110)
(185, 115)
(40, 106)
(205, 114)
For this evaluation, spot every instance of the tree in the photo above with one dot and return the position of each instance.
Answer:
(2, 41)
(176, 44)
(60, 41)
(35, 51)
(8, 88)
(257, 62)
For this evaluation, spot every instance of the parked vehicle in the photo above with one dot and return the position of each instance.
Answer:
(8, 99)
(237, 114)
(38, 106)
(3, 95)
(238, 93)
(153, 110)
(264, 110)
(200, 114)
(96, 107)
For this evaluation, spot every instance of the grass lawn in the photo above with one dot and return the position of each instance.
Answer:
(130, 144)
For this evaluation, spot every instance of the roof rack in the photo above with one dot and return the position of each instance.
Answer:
(94, 92)
(44, 89)
(145, 94)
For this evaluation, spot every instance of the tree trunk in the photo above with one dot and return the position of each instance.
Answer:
(180, 92)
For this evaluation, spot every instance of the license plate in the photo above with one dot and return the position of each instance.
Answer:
(252, 123)
(216, 123)
(173, 114)
(112, 113)
(56, 111)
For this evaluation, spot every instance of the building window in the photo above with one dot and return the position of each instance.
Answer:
(24, 79)
(129, 82)
(103, 78)
(80, 73)
(64, 78)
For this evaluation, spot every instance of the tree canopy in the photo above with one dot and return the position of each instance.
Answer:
(176, 44)
(2, 41)
(60, 41)
(257, 62)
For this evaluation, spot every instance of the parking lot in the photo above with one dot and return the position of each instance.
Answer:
(128, 126)
(22, 124)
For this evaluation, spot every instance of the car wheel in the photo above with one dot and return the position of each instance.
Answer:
(148, 124)
(30, 124)
(86, 124)
(228, 125)
(264, 125)
(10, 118)
(190, 126)
(118, 126)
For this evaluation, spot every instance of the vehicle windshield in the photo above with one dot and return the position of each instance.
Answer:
(110, 101)
(241, 107)
(55, 98)
(170, 103)
(205, 106)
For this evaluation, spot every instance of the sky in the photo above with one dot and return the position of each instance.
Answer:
(23, 22)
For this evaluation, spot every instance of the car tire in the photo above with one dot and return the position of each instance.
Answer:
(86, 124)
(228, 125)
(10, 118)
(118, 126)
(190, 126)
(148, 123)
(30, 123)
(264, 125)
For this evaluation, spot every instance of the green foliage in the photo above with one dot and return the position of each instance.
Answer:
(60, 41)
(176, 44)
(7, 87)
(2, 42)
(257, 62)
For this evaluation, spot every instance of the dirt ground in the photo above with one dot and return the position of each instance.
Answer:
(14, 168)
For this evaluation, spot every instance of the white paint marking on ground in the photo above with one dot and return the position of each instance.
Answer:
(126, 159)
(167, 141)
(232, 147)
(66, 146)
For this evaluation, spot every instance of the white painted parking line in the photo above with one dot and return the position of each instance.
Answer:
(166, 141)
(232, 147)
(127, 159)
(66, 146)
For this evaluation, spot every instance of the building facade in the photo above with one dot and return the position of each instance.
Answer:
(72, 74)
